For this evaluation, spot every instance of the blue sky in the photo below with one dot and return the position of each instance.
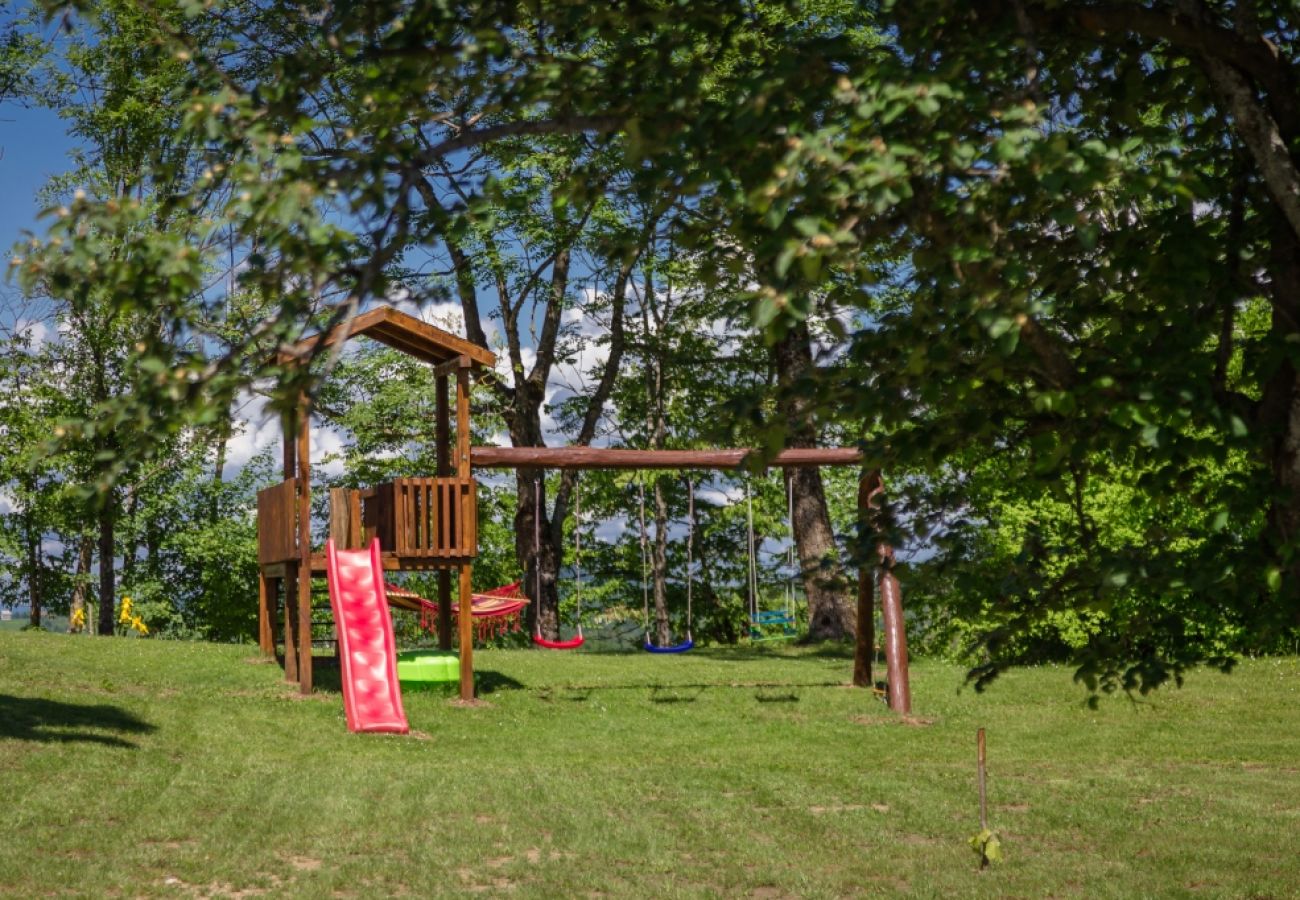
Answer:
(35, 145)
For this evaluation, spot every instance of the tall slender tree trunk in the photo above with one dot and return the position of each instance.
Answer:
(131, 537)
(35, 600)
(222, 440)
(657, 429)
(107, 574)
(530, 519)
(831, 614)
(659, 565)
(81, 581)
(1280, 415)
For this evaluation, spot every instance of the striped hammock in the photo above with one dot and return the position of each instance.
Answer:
(495, 612)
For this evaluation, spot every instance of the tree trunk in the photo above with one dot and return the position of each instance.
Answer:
(659, 566)
(530, 519)
(130, 538)
(1280, 416)
(81, 581)
(34, 598)
(222, 441)
(831, 613)
(107, 576)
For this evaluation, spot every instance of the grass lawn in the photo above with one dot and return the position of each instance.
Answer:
(147, 768)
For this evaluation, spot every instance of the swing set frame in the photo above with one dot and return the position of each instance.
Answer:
(872, 517)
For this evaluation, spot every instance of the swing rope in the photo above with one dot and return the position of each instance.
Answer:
(537, 563)
(690, 559)
(645, 560)
(753, 561)
(759, 619)
(689, 643)
(792, 561)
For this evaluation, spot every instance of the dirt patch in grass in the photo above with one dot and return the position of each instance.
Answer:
(910, 721)
(169, 843)
(297, 696)
(476, 703)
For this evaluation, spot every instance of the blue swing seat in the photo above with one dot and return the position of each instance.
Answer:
(767, 619)
(685, 645)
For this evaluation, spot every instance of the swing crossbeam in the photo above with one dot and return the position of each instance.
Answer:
(625, 458)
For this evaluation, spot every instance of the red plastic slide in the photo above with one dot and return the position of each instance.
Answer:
(372, 697)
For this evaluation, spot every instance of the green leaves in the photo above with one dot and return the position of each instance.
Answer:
(987, 846)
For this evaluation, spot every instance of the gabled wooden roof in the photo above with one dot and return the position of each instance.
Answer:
(399, 331)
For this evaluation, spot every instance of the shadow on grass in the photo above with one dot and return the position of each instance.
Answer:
(776, 698)
(34, 719)
(670, 693)
(487, 682)
(788, 652)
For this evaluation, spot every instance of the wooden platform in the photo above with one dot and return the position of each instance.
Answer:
(391, 561)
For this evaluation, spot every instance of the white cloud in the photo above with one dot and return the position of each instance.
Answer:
(36, 331)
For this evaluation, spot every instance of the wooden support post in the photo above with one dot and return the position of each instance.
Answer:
(442, 445)
(466, 634)
(290, 582)
(891, 599)
(466, 510)
(891, 614)
(304, 546)
(265, 610)
(462, 419)
(865, 639)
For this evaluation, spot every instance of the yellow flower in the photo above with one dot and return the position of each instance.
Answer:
(124, 618)
(138, 624)
(79, 618)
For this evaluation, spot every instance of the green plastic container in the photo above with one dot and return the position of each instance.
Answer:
(429, 670)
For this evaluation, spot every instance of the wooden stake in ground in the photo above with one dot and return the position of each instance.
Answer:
(985, 843)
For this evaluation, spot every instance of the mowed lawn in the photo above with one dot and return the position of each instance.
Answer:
(148, 768)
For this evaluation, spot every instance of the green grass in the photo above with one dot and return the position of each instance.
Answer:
(146, 768)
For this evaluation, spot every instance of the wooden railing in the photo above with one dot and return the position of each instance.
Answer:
(430, 518)
(277, 522)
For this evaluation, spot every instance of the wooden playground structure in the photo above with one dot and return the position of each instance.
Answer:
(431, 523)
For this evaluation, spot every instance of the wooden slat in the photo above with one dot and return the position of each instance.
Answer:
(339, 518)
(277, 538)
(354, 521)
(265, 612)
(433, 518)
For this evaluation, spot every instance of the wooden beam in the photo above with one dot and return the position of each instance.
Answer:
(891, 614)
(266, 588)
(290, 588)
(622, 458)
(304, 546)
(466, 633)
(290, 452)
(891, 601)
(442, 446)
(396, 329)
(462, 459)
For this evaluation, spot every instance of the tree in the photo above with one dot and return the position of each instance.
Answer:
(1084, 207)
